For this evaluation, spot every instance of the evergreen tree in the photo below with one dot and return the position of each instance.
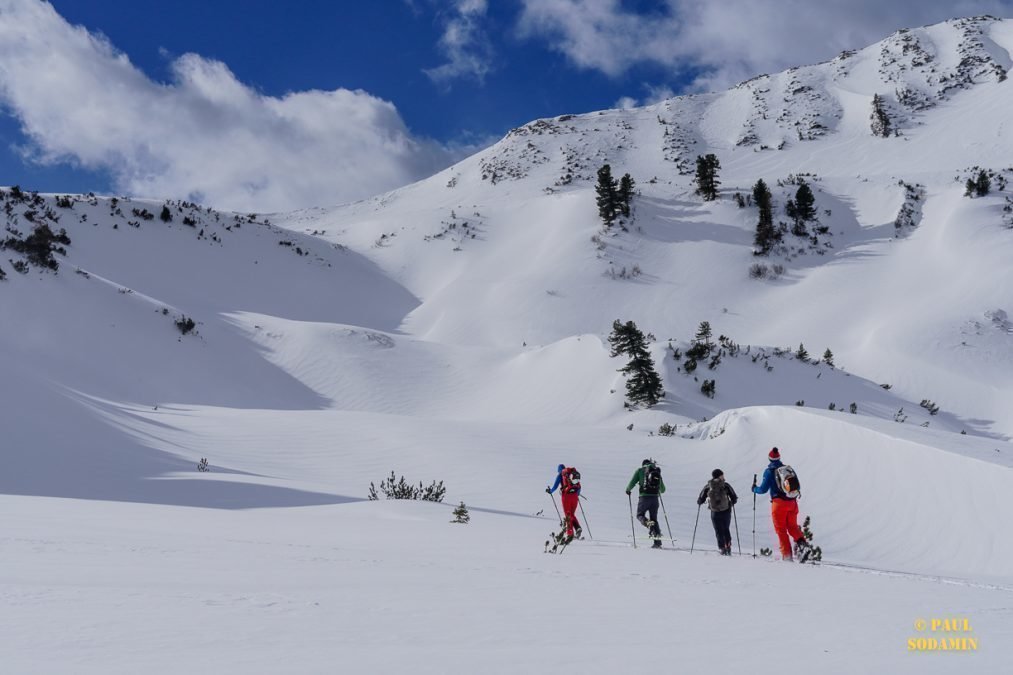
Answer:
(643, 384)
(828, 357)
(461, 514)
(801, 354)
(982, 184)
(621, 338)
(608, 195)
(704, 332)
(880, 121)
(625, 193)
(707, 177)
(165, 215)
(801, 209)
(766, 235)
(805, 203)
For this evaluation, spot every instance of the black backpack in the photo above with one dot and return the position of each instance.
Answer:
(652, 479)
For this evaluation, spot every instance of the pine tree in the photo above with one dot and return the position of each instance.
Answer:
(608, 197)
(801, 354)
(766, 235)
(704, 333)
(828, 357)
(625, 193)
(165, 215)
(707, 177)
(621, 338)
(461, 514)
(982, 184)
(805, 203)
(880, 121)
(643, 384)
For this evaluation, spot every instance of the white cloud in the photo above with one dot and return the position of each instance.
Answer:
(731, 40)
(464, 43)
(205, 135)
(626, 103)
(654, 94)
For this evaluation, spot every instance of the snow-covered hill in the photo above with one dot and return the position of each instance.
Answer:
(456, 329)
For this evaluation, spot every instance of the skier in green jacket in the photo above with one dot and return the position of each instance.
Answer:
(648, 477)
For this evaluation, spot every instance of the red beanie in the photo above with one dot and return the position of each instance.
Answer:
(774, 454)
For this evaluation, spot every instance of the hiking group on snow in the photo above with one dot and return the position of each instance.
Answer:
(779, 479)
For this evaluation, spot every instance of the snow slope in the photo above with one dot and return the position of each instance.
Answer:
(456, 330)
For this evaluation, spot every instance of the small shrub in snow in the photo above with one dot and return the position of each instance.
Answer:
(853, 408)
(166, 215)
(40, 245)
(65, 202)
(758, 271)
(930, 406)
(800, 403)
(185, 324)
(817, 553)
(202, 465)
(707, 388)
(832, 406)
(393, 488)
(461, 514)
(899, 416)
(143, 214)
(3, 275)
(666, 429)
(20, 266)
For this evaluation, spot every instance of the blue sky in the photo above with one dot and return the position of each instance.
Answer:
(422, 81)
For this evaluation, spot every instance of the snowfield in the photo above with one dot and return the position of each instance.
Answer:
(456, 330)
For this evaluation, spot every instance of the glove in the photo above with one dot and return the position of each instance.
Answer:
(627, 492)
(699, 502)
(548, 491)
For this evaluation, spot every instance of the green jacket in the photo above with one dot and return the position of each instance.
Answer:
(638, 479)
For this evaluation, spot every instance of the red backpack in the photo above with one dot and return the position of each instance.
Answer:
(571, 480)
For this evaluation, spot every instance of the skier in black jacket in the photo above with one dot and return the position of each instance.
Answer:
(720, 498)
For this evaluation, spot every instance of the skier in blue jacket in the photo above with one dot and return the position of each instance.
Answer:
(783, 509)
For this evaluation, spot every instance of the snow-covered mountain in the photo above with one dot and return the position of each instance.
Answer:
(456, 329)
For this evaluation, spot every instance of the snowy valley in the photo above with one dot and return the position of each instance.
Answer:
(456, 330)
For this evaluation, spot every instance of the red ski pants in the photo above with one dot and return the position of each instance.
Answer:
(784, 513)
(570, 502)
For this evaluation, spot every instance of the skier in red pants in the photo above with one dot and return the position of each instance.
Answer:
(568, 482)
(783, 508)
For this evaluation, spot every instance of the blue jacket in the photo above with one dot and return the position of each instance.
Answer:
(769, 482)
(559, 480)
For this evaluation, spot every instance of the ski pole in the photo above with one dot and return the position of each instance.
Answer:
(737, 529)
(586, 524)
(693, 543)
(666, 520)
(558, 515)
(754, 517)
(632, 528)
